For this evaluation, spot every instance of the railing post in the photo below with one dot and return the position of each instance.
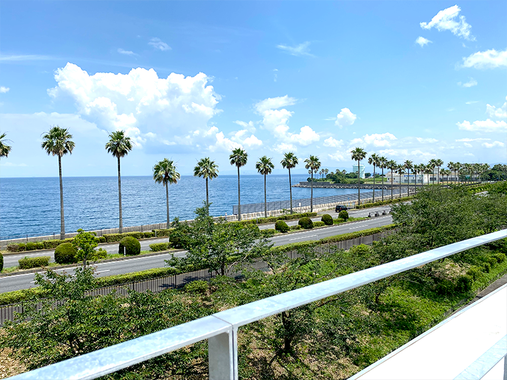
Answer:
(223, 356)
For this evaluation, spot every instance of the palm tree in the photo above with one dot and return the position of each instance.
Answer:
(417, 169)
(457, 168)
(238, 158)
(432, 164)
(289, 161)
(451, 166)
(312, 164)
(58, 142)
(438, 163)
(208, 170)
(264, 166)
(4, 148)
(401, 170)
(392, 166)
(119, 146)
(409, 165)
(165, 172)
(382, 165)
(358, 154)
(373, 160)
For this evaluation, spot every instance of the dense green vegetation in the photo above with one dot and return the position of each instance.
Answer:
(328, 339)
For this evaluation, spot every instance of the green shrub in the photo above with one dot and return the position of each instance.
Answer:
(270, 232)
(30, 246)
(343, 215)
(474, 272)
(305, 222)
(360, 250)
(1, 262)
(445, 287)
(99, 254)
(486, 267)
(65, 253)
(130, 245)
(492, 261)
(295, 227)
(148, 234)
(101, 239)
(464, 284)
(13, 248)
(40, 245)
(156, 247)
(327, 219)
(33, 262)
(162, 232)
(281, 226)
(21, 247)
(319, 224)
(199, 286)
(500, 257)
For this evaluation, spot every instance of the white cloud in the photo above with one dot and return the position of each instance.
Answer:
(449, 19)
(500, 112)
(494, 144)
(471, 82)
(305, 137)
(488, 59)
(3, 89)
(222, 143)
(139, 102)
(422, 41)
(252, 142)
(125, 52)
(426, 140)
(337, 156)
(468, 145)
(375, 139)
(158, 44)
(274, 103)
(284, 147)
(470, 140)
(248, 126)
(345, 117)
(299, 50)
(26, 57)
(333, 143)
(483, 126)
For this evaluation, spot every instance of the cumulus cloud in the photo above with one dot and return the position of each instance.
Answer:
(337, 156)
(139, 102)
(125, 52)
(3, 89)
(274, 103)
(375, 139)
(305, 137)
(483, 126)
(284, 147)
(422, 41)
(472, 82)
(449, 19)
(222, 143)
(488, 59)
(158, 44)
(497, 112)
(344, 118)
(495, 144)
(333, 143)
(248, 126)
(298, 50)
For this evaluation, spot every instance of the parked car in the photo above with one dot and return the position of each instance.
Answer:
(339, 208)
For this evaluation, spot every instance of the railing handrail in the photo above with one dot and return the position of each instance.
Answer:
(221, 328)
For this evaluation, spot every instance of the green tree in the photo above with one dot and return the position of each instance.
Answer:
(392, 166)
(164, 172)
(119, 145)
(409, 165)
(218, 245)
(264, 166)
(85, 244)
(400, 170)
(58, 142)
(358, 154)
(239, 158)
(312, 164)
(374, 160)
(208, 170)
(289, 161)
(438, 164)
(382, 165)
(4, 148)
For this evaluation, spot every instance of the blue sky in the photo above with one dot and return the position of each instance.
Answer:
(408, 80)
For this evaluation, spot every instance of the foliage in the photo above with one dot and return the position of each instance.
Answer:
(65, 253)
(360, 250)
(130, 245)
(281, 226)
(343, 215)
(1, 262)
(327, 219)
(217, 245)
(305, 223)
(34, 262)
(198, 286)
(295, 227)
(84, 243)
(319, 224)
(156, 247)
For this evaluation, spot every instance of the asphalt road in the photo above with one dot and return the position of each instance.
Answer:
(26, 280)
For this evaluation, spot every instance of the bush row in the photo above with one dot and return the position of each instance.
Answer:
(33, 262)
(385, 202)
(157, 247)
(274, 219)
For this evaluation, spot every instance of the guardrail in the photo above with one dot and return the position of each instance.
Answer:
(221, 329)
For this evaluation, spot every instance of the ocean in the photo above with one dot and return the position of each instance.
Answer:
(31, 206)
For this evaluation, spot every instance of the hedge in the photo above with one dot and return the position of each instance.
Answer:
(386, 202)
(33, 262)
(156, 247)
(129, 245)
(65, 254)
(281, 226)
(1, 262)
(319, 224)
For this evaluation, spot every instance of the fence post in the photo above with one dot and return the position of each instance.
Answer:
(223, 356)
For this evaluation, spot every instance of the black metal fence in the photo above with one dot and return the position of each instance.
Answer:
(156, 285)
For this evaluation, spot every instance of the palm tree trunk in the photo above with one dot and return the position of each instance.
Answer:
(265, 200)
(382, 183)
(400, 185)
(373, 183)
(358, 183)
(392, 184)
(62, 220)
(290, 191)
(167, 202)
(119, 196)
(311, 195)
(207, 196)
(239, 199)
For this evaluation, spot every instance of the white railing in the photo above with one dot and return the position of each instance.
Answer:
(221, 329)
